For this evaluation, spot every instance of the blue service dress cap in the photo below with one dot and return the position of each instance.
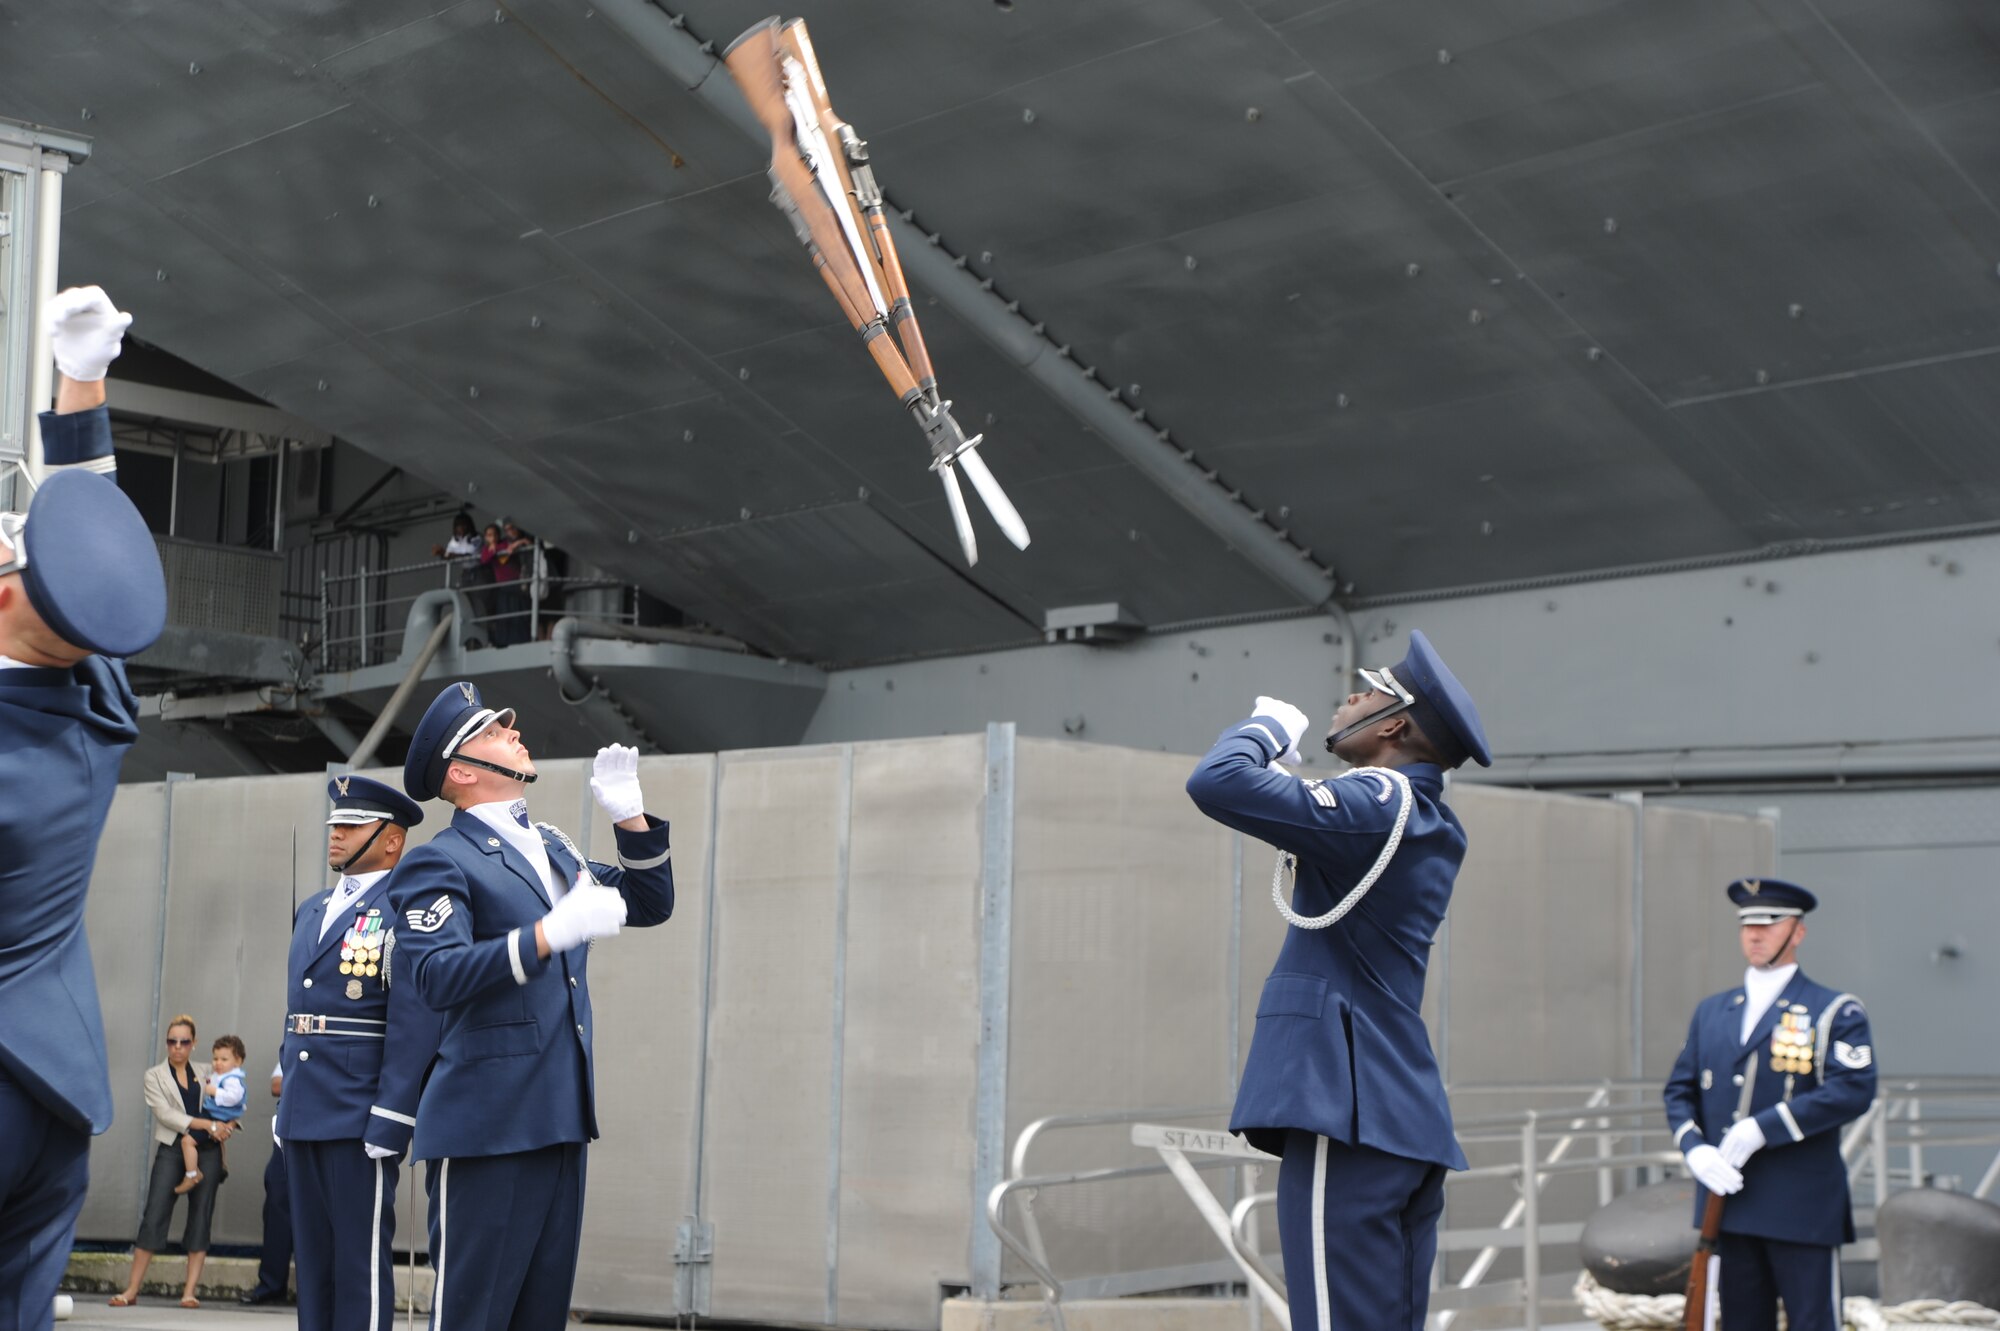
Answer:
(360, 799)
(89, 565)
(1769, 900)
(1442, 708)
(454, 716)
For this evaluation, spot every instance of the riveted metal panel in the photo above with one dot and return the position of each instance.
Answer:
(1122, 915)
(646, 1009)
(123, 916)
(228, 928)
(912, 1028)
(765, 1122)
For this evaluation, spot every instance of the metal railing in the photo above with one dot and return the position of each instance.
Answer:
(1621, 1124)
(361, 614)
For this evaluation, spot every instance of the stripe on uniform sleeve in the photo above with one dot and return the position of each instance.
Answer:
(1269, 738)
(1685, 1129)
(652, 863)
(1791, 1124)
(392, 1114)
(514, 957)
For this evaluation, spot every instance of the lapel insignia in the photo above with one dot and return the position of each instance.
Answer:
(471, 698)
(1707, 1079)
(340, 784)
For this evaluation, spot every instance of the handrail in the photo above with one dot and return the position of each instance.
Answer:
(1621, 1132)
(1018, 1161)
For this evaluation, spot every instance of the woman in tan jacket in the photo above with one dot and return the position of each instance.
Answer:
(173, 1094)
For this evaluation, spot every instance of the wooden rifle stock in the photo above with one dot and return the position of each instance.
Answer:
(822, 180)
(1697, 1290)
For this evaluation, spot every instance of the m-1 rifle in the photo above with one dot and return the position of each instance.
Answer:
(822, 180)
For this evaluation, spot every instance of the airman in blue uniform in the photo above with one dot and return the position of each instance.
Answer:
(80, 588)
(1340, 1081)
(1770, 1072)
(357, 1043)
(499, 912)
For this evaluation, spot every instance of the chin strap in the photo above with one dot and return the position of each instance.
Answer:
(381, 826)
(1287, 860)
(1374, 718)
(525, 778)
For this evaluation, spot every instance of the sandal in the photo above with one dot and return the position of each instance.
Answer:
(190, 1301)
(123, 1300)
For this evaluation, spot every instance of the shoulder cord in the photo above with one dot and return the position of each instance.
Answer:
(1287, 860)
(1826, 1033)
(582, 861)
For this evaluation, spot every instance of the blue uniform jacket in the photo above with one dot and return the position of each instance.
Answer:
(63, 734)
(1340, 1047)
(355, 1076)
(1795, 1188)
(513, 1069)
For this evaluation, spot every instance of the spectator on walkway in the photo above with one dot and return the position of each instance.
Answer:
(173, 1094)
(464, 542)
(509, 553)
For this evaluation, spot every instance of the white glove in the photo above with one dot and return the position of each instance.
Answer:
(1713, 1172)
(584, 913)
(88, 332)
(379, 1152)
(276, 1140)
(1291, 718)
(614, 780)
(1743, 1140)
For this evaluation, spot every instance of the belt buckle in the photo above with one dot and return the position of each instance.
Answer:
(307, 1023)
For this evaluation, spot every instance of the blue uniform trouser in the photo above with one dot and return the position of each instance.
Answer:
(504, 1236)
(274, 1269)
(1359, 1231)
(44, 1167)
(343, 1221)
(1757, 1273)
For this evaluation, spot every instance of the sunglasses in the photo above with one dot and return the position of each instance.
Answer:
(172, 1041)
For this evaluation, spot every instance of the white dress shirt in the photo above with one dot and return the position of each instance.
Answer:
(499, 815)
(346, 892)
(1761, 987)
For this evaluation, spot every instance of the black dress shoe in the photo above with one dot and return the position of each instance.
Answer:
(253, 1297)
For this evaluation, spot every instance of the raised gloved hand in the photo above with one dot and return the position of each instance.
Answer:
(1713, 1172)
(1743, 1140)
(87, 332)
(614, 780)
(379, 1152)
(584, 913)
(1291, 718)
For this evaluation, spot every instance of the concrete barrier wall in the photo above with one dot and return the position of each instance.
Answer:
(885, 960)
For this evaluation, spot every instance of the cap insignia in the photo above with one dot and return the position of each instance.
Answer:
(1753, 885)
(466, 689)
(340, 784)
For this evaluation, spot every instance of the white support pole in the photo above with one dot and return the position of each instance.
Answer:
(41, 366)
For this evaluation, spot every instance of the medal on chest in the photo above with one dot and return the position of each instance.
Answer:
(1792, 1042)
(361, 950)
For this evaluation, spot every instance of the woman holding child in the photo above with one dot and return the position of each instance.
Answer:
(175, 1093)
